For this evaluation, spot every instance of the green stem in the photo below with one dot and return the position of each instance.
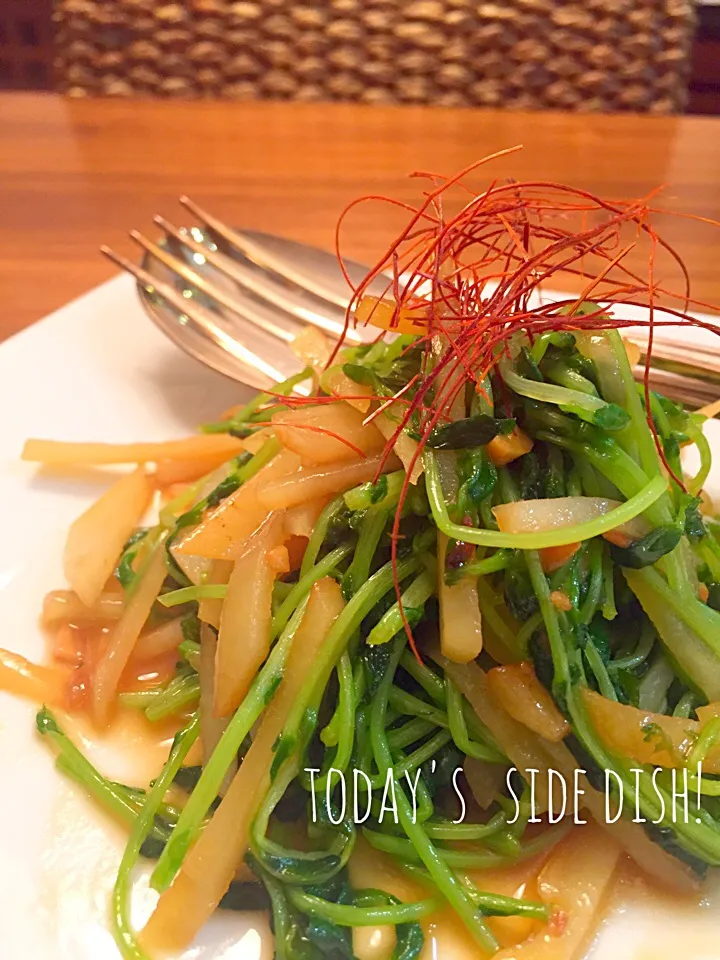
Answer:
(259, 400)
(203, 591)
(697, 436)
(480, 568)
(409, 733)
(115, 798)
(345, 915)
(555, 638)
(407, 851)
(600, 672)
(639, 429)
(179, 694)
(496, 905)
(120, 917)
(413, 599)
(418, 840)
(427, 678)
(341, 728)
(409, 704)
(583, 405)
(200, 800)
(639, 654)
(371, 531)
(492, 904)
(459, 731)
(466, 831)
(302, 588)
(331, 511)
(344, 627)
(385, 493)
(609, 609)
(416, 759)
(632, 508)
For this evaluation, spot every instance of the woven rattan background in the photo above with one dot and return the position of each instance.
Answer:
(571, 54)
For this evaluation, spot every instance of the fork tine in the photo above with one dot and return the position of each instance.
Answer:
(201, 317)
(686, 389)
(144, 277)
(223, 297)
(263, 258)
(689, 354)
(246, 279)
(685, 372)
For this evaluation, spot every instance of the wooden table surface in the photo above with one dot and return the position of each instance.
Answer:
(75, 174)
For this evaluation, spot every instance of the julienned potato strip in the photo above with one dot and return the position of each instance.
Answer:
(471, 548)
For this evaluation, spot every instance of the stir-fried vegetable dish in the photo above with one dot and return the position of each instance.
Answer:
(382, 600)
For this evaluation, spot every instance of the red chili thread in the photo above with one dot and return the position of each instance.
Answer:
(515, 236)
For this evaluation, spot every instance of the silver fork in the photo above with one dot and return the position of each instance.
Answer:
(236, 299)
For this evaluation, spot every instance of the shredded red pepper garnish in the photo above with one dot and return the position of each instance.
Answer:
(479, 271)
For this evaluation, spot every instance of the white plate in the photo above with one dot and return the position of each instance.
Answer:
(98, 370)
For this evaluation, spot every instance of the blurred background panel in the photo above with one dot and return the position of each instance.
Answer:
(705, 76)
(26, 44)
(658, 56)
